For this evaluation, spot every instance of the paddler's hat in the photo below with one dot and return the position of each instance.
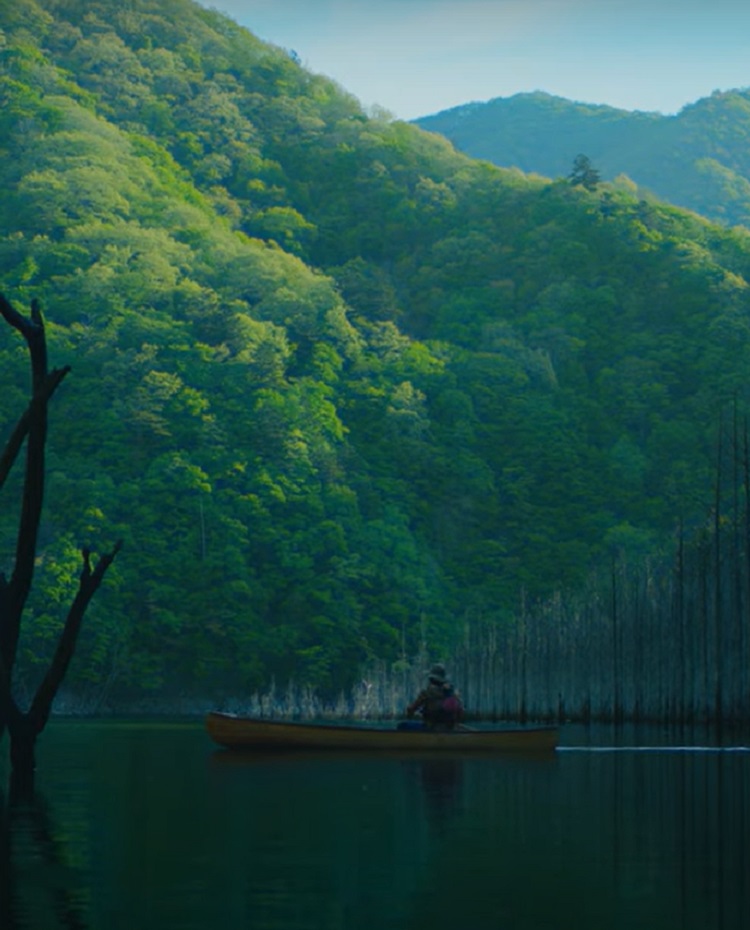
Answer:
(437, 674)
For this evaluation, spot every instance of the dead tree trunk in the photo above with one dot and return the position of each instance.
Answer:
(24, 726)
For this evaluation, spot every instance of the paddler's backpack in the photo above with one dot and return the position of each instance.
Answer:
(451, 708)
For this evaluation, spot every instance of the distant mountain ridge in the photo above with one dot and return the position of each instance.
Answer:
(698, 159)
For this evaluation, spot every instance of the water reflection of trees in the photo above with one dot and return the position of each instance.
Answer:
(586, 838)
(623, 838)
(38, 888)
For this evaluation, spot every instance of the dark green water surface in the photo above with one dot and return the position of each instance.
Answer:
(144, 826)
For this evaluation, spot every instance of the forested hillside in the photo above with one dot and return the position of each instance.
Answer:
(698, 159)
(341, 390)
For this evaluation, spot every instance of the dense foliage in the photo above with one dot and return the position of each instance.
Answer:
(339, 388)
(698, 158)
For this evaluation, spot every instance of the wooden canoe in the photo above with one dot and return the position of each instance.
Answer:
(235, 732)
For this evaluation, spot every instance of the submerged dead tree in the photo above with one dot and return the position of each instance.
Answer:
(25, 725)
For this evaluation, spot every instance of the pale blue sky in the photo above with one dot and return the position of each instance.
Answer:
(415, 57)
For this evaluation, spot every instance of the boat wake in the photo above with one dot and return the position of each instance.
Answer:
(683, 749)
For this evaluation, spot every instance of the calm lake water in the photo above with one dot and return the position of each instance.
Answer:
(139, 826)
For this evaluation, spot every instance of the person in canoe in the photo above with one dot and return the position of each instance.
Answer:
(438, 702)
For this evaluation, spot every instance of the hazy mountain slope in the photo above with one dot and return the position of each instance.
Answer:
(340, 388)
(697, 159)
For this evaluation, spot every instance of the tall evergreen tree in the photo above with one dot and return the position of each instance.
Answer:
(584, 174)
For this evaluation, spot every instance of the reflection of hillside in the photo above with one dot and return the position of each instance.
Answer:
(344, 827)
(38, 887)
(143, 828)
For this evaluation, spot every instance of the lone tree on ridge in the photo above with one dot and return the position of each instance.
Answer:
(24, 726)
(584, 174)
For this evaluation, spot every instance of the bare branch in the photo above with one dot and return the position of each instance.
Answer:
(13, 446)
(32, 429)
(89, 581)
(12, 316)
(32, 330)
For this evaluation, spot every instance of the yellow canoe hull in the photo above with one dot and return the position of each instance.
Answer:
(235, 732)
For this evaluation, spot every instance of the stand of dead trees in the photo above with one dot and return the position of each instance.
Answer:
(25, 725)
(662, 640)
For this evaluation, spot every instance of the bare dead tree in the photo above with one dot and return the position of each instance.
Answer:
(25, 725)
